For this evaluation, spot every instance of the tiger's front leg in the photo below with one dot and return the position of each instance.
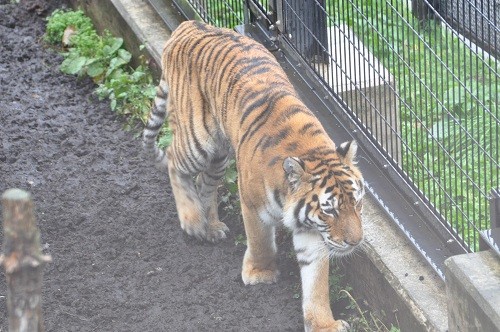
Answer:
(259, 262)
(313, 260)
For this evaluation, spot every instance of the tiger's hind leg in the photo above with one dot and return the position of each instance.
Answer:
(207, 183)
(197, 202)
(187, 202)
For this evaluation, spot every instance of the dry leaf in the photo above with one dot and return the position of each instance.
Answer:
(68, 33)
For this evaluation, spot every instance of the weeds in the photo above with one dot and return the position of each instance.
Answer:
(230, 197)
(366, 321)
(359, 318)
(59, 20)
(240, 239)
(102, 58)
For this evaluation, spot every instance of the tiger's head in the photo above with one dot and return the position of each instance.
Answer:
(326, 196)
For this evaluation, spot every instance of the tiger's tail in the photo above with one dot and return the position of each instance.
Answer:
(156, 119)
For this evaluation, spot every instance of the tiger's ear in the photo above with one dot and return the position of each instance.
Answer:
(294, 170)
(347, 151)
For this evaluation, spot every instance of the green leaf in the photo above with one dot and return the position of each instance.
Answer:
(137, 75)
(73, 66)
(114, 64)
(165, 140)
(116, 43)
(124, 54)
(115, 71)
(95, 69)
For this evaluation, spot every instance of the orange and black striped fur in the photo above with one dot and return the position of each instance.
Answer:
(225, 95)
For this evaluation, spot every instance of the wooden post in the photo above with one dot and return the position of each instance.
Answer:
(23, 262)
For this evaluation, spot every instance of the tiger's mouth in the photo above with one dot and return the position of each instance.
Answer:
(336, 249)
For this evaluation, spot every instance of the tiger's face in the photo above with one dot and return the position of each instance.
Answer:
(337, 216)
(327, 198)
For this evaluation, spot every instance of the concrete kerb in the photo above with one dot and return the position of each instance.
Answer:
(389, 274)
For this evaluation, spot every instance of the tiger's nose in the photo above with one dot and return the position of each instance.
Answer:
(352, 242)
(354, 239)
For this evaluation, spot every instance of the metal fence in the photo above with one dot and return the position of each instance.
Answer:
(410, 75)
(220, 13)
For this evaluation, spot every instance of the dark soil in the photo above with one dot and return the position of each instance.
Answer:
(107, 215)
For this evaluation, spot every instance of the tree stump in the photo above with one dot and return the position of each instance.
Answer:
(23, 262)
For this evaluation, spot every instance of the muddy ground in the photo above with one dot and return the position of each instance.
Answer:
(107, 216)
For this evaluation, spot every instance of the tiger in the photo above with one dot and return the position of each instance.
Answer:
(225, 96)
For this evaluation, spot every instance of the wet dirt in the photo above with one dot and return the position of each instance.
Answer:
(107, 217)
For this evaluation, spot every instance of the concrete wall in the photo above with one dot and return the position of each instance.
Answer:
(473, 292)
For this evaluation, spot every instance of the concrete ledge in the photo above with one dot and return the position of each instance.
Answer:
(389, 275)
(393, 279)
(473, 292)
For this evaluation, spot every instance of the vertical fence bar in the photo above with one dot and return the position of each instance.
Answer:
(495, 208)
(23, 262)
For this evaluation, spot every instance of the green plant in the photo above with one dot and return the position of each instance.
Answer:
(335, 281)
(359, 319)
(365, 321)
(103, 58)
(60, 19)
(229, 196)
(240, 239)
(131, 91)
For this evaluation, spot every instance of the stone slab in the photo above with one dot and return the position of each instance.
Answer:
(473, 292)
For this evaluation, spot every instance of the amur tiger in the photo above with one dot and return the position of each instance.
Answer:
(226, 96)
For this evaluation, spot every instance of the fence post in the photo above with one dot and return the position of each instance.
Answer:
(23, 262)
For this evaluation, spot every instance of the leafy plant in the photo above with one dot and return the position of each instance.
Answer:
(103, 58)
(240, 239)
(335, 281)
(60, 19)
(231, 177)
(359, 318)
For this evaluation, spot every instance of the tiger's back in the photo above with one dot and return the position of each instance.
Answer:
(224, 95)
(227, 77)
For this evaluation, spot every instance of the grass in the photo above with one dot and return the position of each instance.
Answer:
(357, 314)
(448, 104)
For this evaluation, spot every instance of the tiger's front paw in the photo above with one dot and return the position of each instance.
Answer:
(334, 326)
(260, 270)
(255, 276)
